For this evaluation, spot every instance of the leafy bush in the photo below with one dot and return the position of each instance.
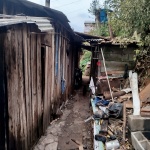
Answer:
(85, 58)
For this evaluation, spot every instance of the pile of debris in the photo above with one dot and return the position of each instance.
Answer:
(114, 99)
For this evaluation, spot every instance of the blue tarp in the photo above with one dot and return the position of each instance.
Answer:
(103, 16)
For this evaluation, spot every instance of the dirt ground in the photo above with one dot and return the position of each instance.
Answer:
(70, 131)
(76, 131)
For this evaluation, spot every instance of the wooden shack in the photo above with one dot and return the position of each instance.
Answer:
(37, 61)
(116, 55)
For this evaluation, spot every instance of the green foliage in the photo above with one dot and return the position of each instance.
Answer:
(129, 16)
(94, 7)
(130, 20)
(85, 58)
(102, 30)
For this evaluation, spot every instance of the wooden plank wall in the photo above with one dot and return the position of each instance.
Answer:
(31, 83)
(2, 94)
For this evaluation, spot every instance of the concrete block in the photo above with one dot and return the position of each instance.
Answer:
(138, 123)
(139, 141)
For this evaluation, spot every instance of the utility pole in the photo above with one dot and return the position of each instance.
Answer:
(3, 6)
(47, 3)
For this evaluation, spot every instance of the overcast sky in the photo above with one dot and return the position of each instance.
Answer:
(75, 10)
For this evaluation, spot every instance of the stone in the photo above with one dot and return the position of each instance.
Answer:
(138, 123)
(52, 146)
(48, 141)
(39, 147)
(139, 141)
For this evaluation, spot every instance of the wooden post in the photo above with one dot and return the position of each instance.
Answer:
(3, 96)
(4, 6)
(47, 3)
(107, 74)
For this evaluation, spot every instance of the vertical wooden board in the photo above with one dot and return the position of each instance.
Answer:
(12, 86)
(39, 86)
(3, 96)
(7, 48)
(13, 105)
(66, 70)
(58, 79)
(26, 83)
(52, 69)
(21, 86)
(29, 104)
(15, 87)
(49, 84)
(45, 122)
(34, 85)
(64, 73)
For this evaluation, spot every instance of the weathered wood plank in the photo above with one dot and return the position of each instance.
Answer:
(21, 94)
(2, 93)
(34, 85)
(49, 85)
(26, 82)
(45, 115)
(52, 69)
(30, 138)
(39, 87)
(9, 90)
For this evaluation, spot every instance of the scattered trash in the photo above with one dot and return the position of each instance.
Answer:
(88, 119)
(112, 145)
(115, 110)
(100, 102)
(110, 112)
(100, 137)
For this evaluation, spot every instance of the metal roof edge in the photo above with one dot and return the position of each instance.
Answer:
(43, 23)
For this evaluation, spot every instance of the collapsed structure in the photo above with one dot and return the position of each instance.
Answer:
(115, 94)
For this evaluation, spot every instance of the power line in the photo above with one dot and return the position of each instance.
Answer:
(67, 4)
(68, 13)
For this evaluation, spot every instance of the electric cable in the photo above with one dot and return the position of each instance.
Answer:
(67, 4)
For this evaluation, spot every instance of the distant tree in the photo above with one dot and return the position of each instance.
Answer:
(130, 16)
(94, 7)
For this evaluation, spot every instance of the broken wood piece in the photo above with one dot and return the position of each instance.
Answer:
(145, 114)
(88, 119)
(104, 125)
(129, 104)
(124, 121)
(145, 110)
(124, 98)
(115, 89)
(111, 129)
(78, 143)
(115, 94)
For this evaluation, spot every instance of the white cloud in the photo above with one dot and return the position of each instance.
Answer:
(75, 10)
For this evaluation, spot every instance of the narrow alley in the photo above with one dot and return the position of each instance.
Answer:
(70, 132)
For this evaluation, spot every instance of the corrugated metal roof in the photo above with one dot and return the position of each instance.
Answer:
(97, 40)
(15, 7)
(42, 23)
